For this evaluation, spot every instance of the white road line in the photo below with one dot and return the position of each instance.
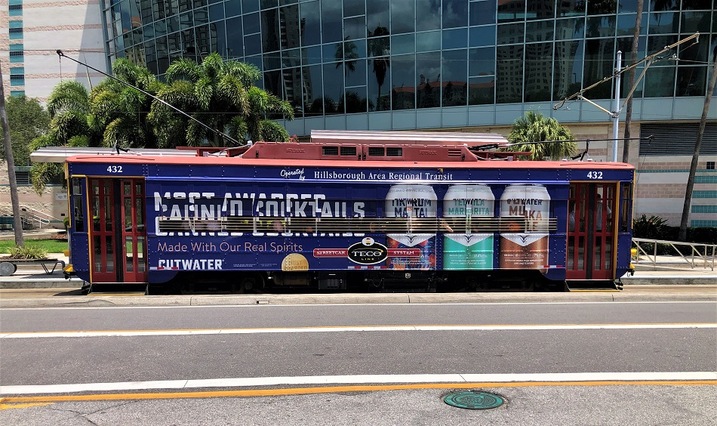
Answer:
(346, 329)
(358, 379)
(257, 305)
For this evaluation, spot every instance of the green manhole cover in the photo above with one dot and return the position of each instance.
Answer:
(474, 400)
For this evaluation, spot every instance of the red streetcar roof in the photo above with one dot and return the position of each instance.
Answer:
(327, 162)
(331, 148)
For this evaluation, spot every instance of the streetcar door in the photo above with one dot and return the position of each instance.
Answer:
(117, 233)
(591, 231)
(134, 247)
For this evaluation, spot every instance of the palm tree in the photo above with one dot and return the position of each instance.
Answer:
(69, 108)
(533, 128)
(71, 124)
(221, 95)
(346, 54)
(119, 111)
(263, 104)
(378, 48)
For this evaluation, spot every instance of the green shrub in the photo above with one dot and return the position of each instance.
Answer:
(652, 227)
(27, 252)
(655, 228)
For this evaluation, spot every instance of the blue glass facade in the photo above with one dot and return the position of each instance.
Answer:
(425, 64)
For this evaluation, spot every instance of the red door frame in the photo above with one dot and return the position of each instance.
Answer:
(134, 247)
(591, 231)
(103, 241)
(117, 234)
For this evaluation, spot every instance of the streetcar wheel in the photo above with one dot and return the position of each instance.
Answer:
(250, 284)
(86, 288)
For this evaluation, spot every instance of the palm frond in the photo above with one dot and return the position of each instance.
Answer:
(68, 95)
(273, 132)
(183, 69)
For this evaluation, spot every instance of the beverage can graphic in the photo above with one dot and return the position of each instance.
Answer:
(412, 251)
(464, 247)
(524, 213)
(414, 207)
(467, 251)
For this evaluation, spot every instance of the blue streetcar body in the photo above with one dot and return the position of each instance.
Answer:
(306, 221)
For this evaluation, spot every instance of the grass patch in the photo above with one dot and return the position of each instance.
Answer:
(48, 246)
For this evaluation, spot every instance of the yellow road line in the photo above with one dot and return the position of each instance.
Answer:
(11, 406)
(6, 401)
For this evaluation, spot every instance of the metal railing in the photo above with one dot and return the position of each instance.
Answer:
(31, 218)
(34, 217)
(674, 254)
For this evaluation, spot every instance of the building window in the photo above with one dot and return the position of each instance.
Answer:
(15, 30)
(710, 165)
(22, 175)
(15, 33)
(16, 57)
(17, 93)
(17, 76)
(15, 10)
(17, 80)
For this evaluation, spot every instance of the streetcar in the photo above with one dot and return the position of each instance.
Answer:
(347, 211)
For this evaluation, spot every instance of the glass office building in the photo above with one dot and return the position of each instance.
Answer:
(432, 64)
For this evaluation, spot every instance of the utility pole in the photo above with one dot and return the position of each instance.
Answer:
(631, 83)
(616, 106)
(17, 220)
(696, 155)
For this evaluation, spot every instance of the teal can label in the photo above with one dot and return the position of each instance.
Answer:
(467, 214)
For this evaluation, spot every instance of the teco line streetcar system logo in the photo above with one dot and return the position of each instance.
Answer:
(367, 252)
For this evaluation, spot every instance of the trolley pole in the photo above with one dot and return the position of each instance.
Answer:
(616, 106)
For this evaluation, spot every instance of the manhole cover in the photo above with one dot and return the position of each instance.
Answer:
(474, 400)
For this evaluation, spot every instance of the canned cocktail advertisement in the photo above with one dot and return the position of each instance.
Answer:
(463, 208)
(405, 225)
(524, 208)
(416, 207)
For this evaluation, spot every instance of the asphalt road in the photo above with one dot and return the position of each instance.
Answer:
(555, 363)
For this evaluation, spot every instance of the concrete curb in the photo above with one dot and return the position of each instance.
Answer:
(669, 280)
(55, 298)
(49, 281)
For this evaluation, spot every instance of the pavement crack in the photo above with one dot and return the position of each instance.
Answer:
(85, 415)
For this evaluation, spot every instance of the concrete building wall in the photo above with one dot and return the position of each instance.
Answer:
(71, 26)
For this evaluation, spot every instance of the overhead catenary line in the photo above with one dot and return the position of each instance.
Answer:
(646, 60)
(615, 113)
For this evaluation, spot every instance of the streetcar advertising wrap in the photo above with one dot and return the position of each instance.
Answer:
(372, 225)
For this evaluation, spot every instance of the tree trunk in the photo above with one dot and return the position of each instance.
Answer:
(696, 154)
(17, 220)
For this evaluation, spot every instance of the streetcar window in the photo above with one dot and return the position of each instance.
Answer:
(625, 207)
(270, 224)
(348, 150)
(375, 151)
(394, 152)
(78, 218)
(331, 150)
